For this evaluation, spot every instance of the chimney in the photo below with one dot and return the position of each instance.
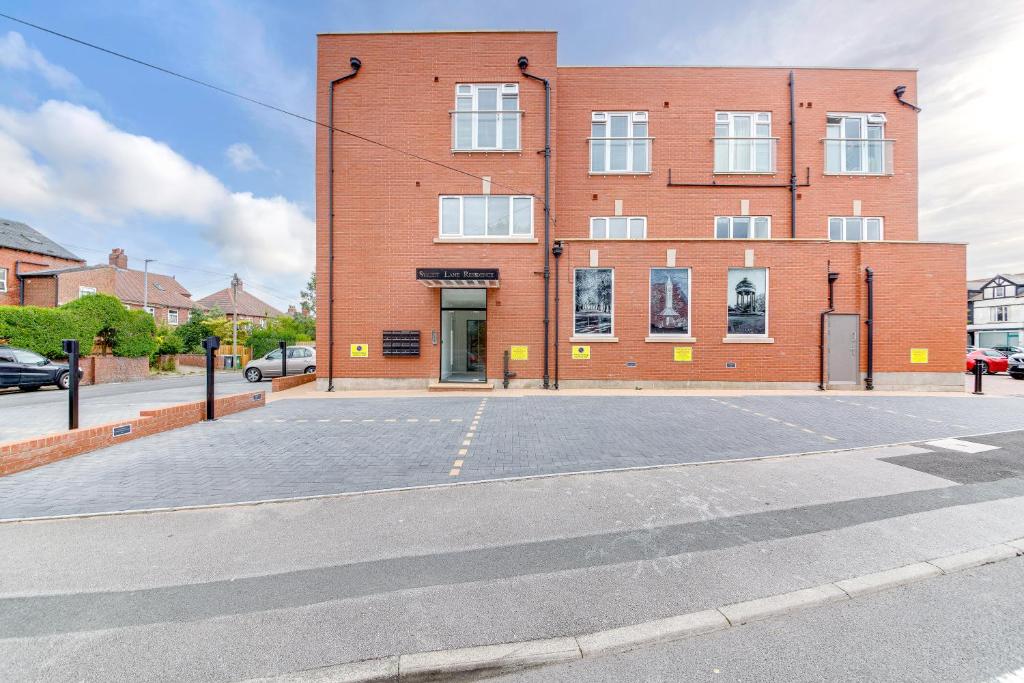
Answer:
(118, 258)
(291, 310)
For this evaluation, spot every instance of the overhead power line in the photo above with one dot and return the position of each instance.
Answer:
(253, 100)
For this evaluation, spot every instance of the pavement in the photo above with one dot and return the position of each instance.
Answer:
(963, 627)
(324, 446)
(25, 415)
(239, 592)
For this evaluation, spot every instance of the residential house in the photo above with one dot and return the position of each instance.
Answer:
(713, 223)
(161, 295)
(23, 249)
(248, 307)
(996, 311)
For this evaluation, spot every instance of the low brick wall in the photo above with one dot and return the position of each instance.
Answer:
(193, 360)
(106, 369)
(16, 456)
(291, 381)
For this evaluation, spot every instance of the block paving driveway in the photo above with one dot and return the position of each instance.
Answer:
(304, 447)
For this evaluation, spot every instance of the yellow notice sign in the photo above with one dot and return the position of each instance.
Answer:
(682, 354)
(918, 355)
(520, 353)
(359, 351)
(581, 353)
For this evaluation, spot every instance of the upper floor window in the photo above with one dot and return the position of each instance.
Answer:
(3, 279)
(85, 291)
(486, 216)
(854, 228)
(486, 117)
(619, 142)
(1000, 314)
(743, 227)
(855, 143)
(744, 142)
(618, 228)
(998, 292)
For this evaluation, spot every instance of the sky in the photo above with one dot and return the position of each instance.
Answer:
(97, 152)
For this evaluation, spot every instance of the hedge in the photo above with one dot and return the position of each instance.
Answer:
(42, 329)
(97, 318)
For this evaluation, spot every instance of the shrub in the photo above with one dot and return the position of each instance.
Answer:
(135, 336)
(167, 341)
(100, 311)
(42, 329)
(193, 332)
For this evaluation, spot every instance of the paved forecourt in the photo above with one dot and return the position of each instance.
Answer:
(295, 448)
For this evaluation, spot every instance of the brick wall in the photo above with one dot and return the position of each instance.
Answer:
(16, 456)
(291, 381)
(23, 262)
(386, 212)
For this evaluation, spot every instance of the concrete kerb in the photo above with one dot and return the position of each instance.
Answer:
(484, 661)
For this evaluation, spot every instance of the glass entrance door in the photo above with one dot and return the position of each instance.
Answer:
(463, 335)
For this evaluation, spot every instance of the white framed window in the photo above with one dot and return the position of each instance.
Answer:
(748, 302)
(150, 310)
(486, 215)
(995, 292)
(744, 142)
(855, 228)
(3, 279)
(856, 144)
(619, 142)
(743, 227)
(669, 302)
(486, 117)
(1000, 314)
(618, 228)
(593, 302)
(172, 316)
(85, 291)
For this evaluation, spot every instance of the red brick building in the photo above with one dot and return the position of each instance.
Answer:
(162, 295)
(248, 307)
(702, 217)
(23, 249)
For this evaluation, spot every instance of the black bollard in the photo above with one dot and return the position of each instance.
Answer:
(71, 348)
(211, 344)
(283, 345)
(977, 379)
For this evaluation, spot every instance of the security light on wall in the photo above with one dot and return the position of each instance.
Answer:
(523, 62)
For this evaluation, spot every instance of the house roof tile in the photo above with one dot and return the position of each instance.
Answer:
(22, 237)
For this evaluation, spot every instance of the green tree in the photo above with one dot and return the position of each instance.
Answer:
(135, 335)
(102, 311)
(308, 295)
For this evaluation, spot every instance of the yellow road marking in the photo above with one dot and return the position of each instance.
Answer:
(463, 451)
(457, 464)
(454, 473)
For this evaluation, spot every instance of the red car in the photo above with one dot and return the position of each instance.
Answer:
(990, 360)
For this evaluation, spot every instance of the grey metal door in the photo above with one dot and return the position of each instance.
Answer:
(843, 348)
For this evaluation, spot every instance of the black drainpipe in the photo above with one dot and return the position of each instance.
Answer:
(832, 277)
(556, 251)
(792, 157)
(523, 62)
(869, 380)
(355, 64)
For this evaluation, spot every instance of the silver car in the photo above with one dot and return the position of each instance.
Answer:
(301, 360)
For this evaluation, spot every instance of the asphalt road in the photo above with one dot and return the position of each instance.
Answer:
(962, 627)
(226, 594)
(24, 415)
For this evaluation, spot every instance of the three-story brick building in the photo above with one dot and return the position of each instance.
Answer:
(708, 226)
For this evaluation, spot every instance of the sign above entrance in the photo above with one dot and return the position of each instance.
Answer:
(458, 277)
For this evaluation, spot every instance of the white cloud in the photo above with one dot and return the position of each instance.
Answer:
(16, 55)
(243, 157)
(62, 156)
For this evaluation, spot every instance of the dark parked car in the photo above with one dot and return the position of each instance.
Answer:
(1016, 368)
(990, 360)
(28, 371)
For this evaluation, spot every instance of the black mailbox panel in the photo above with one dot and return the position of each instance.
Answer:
(401, 343)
